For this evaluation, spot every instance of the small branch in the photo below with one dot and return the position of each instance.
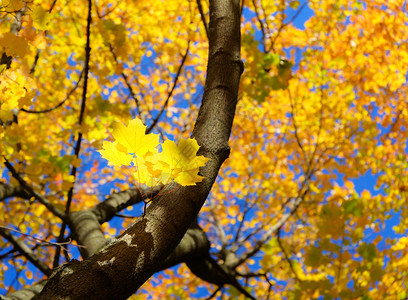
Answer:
(115, 203)
(25, 250)
(39, 239)
(33, 193)
(52, 6)
(125, 216)
(232, 280)
(286, 256)
(260, 24)
(203, 19)
(283, 25)
(292, 114)
(79, 138)
(213, 294)
(269, 233)
(59, 104)
(37, 54)
(127, 82)
(124, 76)
(242, 7)
(171, 91)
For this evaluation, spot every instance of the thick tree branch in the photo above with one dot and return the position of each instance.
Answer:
(85, 225)
(26, 293)
(193, 246)
(8, 191)
(25, 251)
(124, 265)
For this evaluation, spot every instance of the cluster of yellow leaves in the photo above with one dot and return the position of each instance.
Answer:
(343, 114)
(16, 91)
(342, 117)
(174, 162)
(17, 88)
(46, 70)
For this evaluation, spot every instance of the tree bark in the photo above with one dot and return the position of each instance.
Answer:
(122, 266)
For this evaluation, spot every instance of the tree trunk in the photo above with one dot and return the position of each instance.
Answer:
(121, 267)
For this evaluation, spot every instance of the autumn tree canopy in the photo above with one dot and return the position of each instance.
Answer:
(203, 149)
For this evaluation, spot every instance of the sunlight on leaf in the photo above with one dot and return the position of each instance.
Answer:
(176, 162)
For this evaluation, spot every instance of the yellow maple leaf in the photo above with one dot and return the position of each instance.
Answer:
(112, 152)
(181, 161)
(14, 45)
(12, 5)
(176, 162)
(6, 109)
(134, 137)
(40, 17)
(147, 171)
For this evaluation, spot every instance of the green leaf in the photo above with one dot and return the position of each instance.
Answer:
(271, 59)
(102, 105)
(367, 251)
(313, 257)
(353, 207)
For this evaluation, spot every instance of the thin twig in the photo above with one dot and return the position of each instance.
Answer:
(171, 91)
(126, 79)
(203, 19)
(292, 114)
(59, 104)
(286, 256)
(33, 193)
(213, 294)
(37, 54)
(24, 249)
(283, 25)
(242, 8)
(269, 233)
(79, 138)
(260, 24)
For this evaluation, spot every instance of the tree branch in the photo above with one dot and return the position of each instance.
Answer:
(71, 91)
(25, 251)
(269, 233)
(8, 191)
(203, 18)
(79, 138)
(33, 193)
(125, 264)
(183, 60)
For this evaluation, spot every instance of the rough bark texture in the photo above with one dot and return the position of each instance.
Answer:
(123, 265)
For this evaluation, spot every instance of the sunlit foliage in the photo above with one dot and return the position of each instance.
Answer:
(313, 198)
